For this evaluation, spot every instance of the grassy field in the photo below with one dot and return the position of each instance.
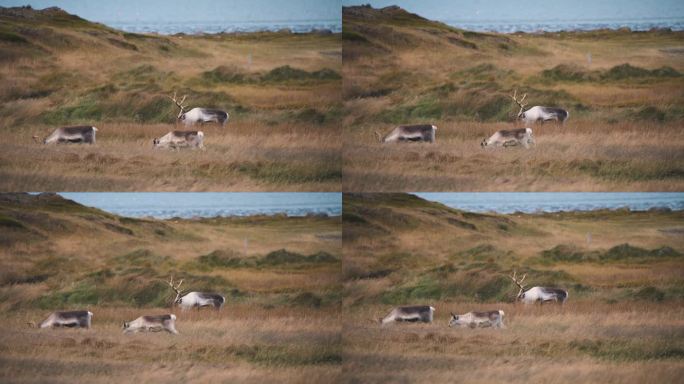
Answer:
(280, 277)
(623, 271)
(282, 91)
(623, 91)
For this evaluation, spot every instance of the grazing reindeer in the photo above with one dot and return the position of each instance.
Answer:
(69, 319)
(538, 113)
(506, 138)
(180, 139)
(424, 132)
(199, 115)
(419, 313)
(196, 299)
(152, 324)
(538, 294)
(79, 134)
(478, 319)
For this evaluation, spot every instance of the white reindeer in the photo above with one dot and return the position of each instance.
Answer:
(69, 319)
(155, 323)
(418, 313)
(180, 139)
(478, 319)
(422, 132)
(512, 137)
(78, 134)
(196, 299)
(538, 294)
(199, 115)
(538, 113)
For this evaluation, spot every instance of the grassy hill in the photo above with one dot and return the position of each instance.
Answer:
(622, 269)
(280, 89)
(622, 90)
(274, 271)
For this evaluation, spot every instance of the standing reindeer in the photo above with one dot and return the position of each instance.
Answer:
(538, 294)
(195, 299)
(538, 113)
(199, 115)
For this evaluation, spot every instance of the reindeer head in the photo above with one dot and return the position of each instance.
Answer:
(483, 143)
(176, 288)
(379, 136)
(454, 320)
(519, 283)
(521, 113)
(181, 107)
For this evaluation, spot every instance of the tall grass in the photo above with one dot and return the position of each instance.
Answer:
(281, 135)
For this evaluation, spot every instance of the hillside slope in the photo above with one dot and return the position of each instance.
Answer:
(59, 70)
(57, 253)
(399, 249)
(622, 89)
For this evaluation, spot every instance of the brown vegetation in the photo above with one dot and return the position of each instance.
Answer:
(281, 90)
(626, 106)
(623, 271)
(280, 277)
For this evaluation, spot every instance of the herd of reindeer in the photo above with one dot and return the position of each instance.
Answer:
(403, 133)
(416, 313)
(174, 139)
(503, 138)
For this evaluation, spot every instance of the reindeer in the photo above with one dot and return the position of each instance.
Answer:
(78, 134)
(478, 319)
(506, 138)
(418, 313)
(152, 324)
(422, 132)
(538, 113)
(195, 299)
(180, 139)
(69, 319)
(538, 294)
(198, 115)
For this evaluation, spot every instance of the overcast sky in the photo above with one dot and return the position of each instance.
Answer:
(521, 10)
(192, 10)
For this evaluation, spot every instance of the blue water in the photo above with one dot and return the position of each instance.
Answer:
(531, 202)
(210, 27)
(531, 26)
(209, 204)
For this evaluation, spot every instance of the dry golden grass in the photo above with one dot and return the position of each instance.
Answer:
(241, 343)
(281, 134)
(403, 251)
(581, 155)
(280, 321)
(401, 70)
(244, 156)
(581, 342)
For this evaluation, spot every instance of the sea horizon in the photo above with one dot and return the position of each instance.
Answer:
(218, 26)
(167, 205)
(550, 202)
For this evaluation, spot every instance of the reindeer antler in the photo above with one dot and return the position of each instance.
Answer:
(519, 102)
(176, 287)
(179, 104)
(516, 281)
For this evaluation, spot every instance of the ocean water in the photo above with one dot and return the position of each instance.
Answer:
(532, 26)
(210, 27)
(532, 202)
(210, 204)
